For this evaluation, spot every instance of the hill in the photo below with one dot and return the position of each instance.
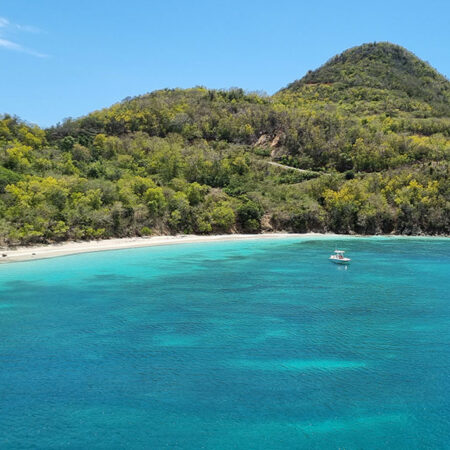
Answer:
(381, 69)
(361, 145)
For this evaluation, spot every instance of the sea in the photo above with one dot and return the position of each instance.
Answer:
(254, 344)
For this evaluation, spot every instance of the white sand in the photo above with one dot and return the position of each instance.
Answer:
(70, 248)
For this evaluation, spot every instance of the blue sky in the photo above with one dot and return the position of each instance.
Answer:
(64, 58)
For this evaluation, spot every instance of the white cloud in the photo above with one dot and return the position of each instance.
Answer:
(6, 25)
(28, 28)
(9, 45)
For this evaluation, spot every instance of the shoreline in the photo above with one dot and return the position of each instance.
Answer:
(36, 252)
(21, 254)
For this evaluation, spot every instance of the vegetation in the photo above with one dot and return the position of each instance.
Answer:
(370, 131)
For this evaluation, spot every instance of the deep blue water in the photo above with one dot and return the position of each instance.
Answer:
(259, 344)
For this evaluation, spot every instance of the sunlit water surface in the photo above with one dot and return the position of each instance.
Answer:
(260, 344)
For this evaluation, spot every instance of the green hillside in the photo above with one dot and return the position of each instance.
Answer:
(380, 71)
(361, 145)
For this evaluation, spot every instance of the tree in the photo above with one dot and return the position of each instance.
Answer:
(155, 200)
(222, 217)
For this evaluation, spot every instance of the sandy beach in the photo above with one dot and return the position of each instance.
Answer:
(71, 248)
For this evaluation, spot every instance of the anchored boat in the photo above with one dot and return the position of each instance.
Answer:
(339, 258)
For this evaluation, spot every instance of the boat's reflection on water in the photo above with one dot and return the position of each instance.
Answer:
(342, 267)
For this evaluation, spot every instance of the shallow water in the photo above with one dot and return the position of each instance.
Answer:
(229, 345)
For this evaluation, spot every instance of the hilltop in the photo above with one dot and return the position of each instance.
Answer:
(361, 144)
(380, 68)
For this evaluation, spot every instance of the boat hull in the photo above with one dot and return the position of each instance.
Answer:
(340, 261)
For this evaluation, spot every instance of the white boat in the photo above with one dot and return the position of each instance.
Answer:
(339, 258)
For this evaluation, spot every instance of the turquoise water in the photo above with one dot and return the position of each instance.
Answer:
(260, 344)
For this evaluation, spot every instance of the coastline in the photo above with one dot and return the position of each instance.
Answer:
(37, 252)
(30, 253)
